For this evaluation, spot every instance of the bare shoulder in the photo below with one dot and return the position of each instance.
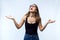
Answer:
(24, 17)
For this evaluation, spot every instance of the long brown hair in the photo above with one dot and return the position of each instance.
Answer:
(37, 16)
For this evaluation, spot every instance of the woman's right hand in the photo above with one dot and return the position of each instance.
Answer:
(10, 17)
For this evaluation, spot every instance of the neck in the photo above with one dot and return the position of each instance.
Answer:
(32, 14)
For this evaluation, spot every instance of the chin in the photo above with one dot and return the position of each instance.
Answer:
(31, 11)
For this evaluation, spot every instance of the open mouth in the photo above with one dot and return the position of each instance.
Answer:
(31, 8)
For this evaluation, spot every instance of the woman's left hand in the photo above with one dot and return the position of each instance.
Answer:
(50, 21)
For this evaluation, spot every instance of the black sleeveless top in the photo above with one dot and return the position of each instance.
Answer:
(31, 28)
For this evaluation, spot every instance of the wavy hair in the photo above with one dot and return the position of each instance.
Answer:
(37, 15)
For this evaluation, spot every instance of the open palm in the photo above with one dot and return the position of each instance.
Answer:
(51, 21)
(9, 17)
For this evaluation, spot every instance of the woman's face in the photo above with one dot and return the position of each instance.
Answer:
(32, 8)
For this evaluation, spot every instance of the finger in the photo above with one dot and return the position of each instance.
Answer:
(7, 17)
(52, 21)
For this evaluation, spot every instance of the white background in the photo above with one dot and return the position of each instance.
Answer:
(49, 9)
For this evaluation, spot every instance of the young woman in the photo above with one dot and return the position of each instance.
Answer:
(32, 21)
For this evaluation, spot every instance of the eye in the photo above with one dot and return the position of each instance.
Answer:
(30, 5)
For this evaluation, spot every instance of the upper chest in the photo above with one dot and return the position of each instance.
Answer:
(31, 20)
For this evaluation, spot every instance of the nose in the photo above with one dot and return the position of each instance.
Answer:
(31, 8)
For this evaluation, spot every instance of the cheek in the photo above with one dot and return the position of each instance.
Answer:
(34, 9)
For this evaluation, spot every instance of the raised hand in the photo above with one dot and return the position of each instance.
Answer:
(10, 17)
(51, 21)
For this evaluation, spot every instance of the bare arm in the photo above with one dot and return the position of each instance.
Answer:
(43, 27)
(21, 23)
(18, 25)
